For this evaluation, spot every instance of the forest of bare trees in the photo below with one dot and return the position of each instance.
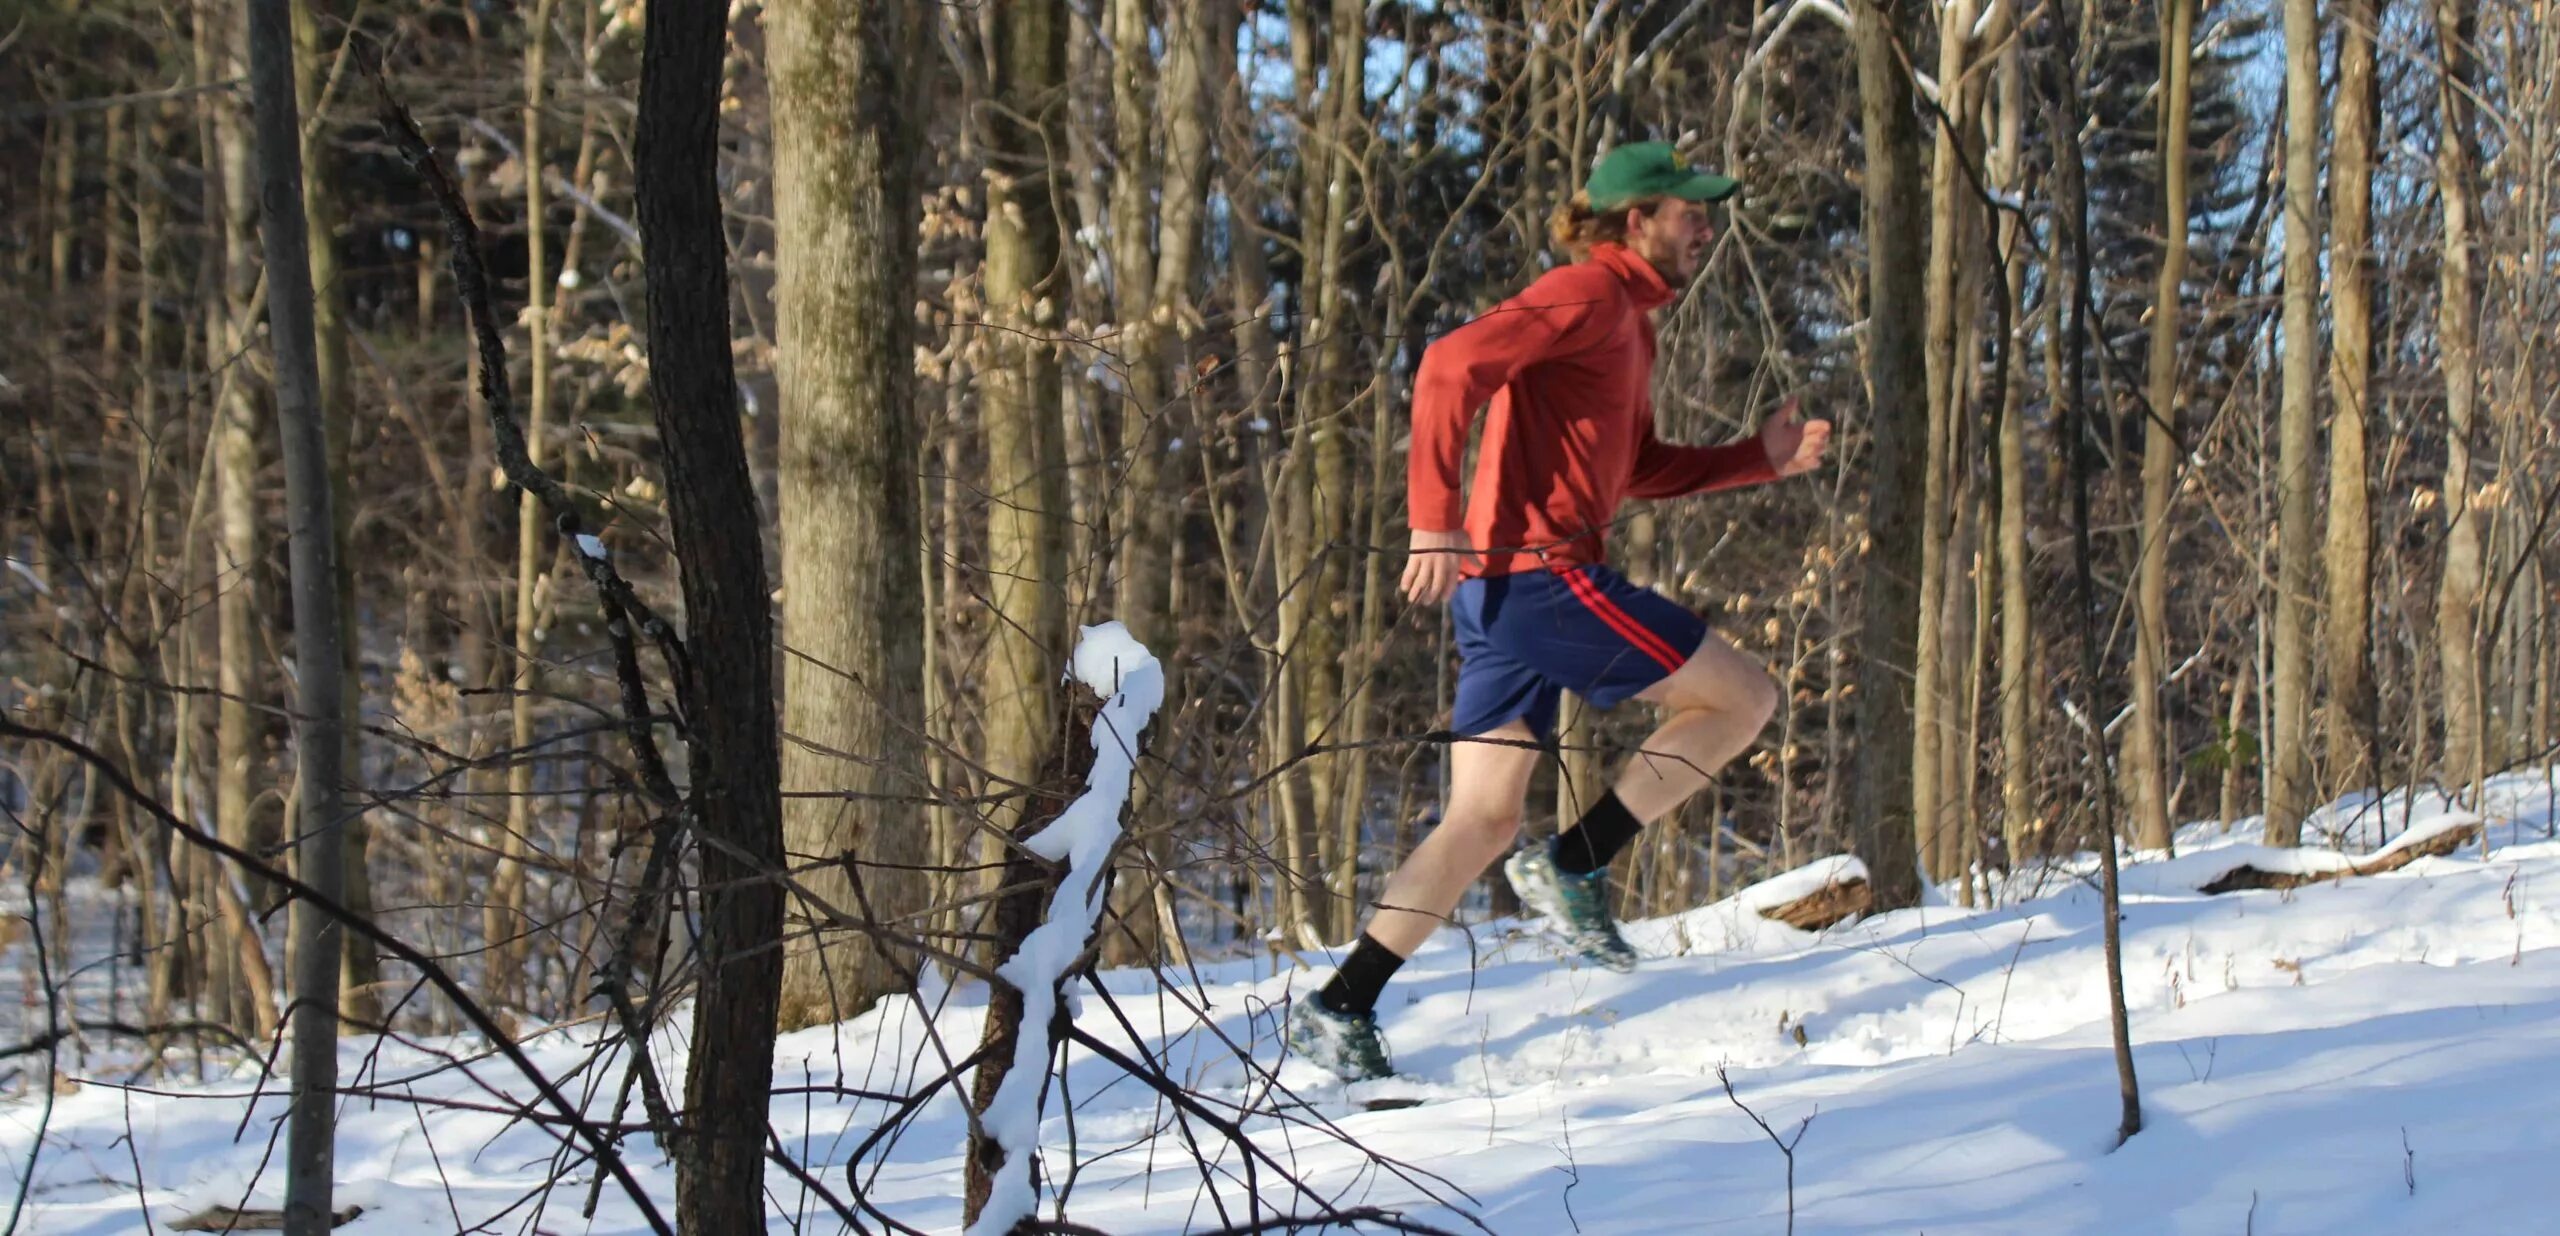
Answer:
(630, 565)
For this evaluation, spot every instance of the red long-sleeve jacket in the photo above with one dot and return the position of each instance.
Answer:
(1568, 368)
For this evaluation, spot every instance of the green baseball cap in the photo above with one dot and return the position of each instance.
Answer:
(1640, 170)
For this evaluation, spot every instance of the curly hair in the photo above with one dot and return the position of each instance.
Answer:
(1575, 227)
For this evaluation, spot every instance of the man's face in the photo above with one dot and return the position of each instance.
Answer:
(1674, 238)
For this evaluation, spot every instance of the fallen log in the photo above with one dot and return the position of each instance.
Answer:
(227, 1219)
(2434, 845)
(1836, 894)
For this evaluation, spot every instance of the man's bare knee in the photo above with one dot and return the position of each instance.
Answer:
(1484, 830)
(1758, 698)
(1719, 679)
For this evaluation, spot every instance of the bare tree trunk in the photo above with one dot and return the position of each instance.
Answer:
(160, 913)
(1026, 471)
(853, 591)
(2240, 697)
(2348, 553)
(2071, 172)
(361, 965)
(2289, 788)
(2146, 744)
(735, 797)
(2458, 597)
(64, 230)
(1317, 491)
(506, 919)
(1152, 521)
(318, 626)
(111, 228)
(239, 567)
(1881, 793)
(1148, 425)
(1144, 416)
(2017, 689)
(1949, 195)
(1026, 477)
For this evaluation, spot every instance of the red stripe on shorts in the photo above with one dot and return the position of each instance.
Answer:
(1622, 622)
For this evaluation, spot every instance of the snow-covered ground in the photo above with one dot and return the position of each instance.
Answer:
(2380, 1055)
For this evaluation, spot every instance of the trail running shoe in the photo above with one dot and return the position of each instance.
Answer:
(1577, 905)
(1346, 1045)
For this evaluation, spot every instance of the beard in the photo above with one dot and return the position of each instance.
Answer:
(1678, 266)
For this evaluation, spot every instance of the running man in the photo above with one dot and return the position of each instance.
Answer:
(1567, 367)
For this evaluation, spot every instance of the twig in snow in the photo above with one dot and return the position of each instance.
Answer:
(1786, 1146)
(358, 924)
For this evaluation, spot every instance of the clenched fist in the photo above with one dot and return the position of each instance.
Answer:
(1795, 446)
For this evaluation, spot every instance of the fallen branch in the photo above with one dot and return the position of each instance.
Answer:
(47, 1040)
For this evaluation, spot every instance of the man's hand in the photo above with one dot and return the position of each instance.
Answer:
(1433, 568)
(1795, 446)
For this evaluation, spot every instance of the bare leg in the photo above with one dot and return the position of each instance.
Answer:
(1488, 783)
(1715, 706)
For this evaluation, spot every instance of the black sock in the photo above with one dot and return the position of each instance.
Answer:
(1362, 975)
(1605, 829)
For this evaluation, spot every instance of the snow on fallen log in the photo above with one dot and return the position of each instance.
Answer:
(2281, 869)
(1813, 896)
(1118, 668)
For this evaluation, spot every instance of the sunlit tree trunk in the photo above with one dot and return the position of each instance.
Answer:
(1950, 196)
(2457, 329)
(846, 143)
(1026, 484)
(2348, 553)
(2289, 789)
(1157, 323)
(506, 918)
(2017, 683)
(2146, 744)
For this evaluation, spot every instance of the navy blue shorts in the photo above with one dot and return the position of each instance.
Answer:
(1525, 639)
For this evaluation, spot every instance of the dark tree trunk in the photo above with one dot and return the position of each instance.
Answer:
(1897, 399)
(735, 753)
(2071, 181)
(319, 716)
